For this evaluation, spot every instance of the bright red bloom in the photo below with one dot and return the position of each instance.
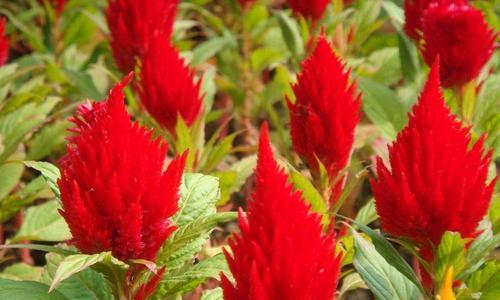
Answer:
(436, 181)
(58, 5)
(4, 43)
(312, 9)
(281, 251)
(115, 195)
(132, 25)
(326, 111)
(460, 36)
(414, 10)
(167, 85)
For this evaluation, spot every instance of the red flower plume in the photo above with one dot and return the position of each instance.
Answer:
(312, 9)
(436, 182)
(460, 36)
(132, 25)
(4, 43)
(326, 111)
(281, 252)
(167, 87)
(115, 195)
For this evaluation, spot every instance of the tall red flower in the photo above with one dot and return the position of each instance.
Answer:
(436, 181)
(312, 9)
(414, 10)
(167, 86)
(4, 43)
(281, 251)
(132, 25)
(115, 194)
(458, 33)
(326, 111)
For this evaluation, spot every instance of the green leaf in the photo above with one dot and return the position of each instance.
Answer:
(367, 213)
(84, 83)
(309, 192)
(210, 48)
(215, 294)
(43, 223)
(291, 34)
(485, 281)
(391, 256)
(50, 138)
(10, 173)
(76, 263)
(22, 271)
(85, 285)
(49, 172)
(218, 153)
(385, 281)
(23, 290)
(408, 56)
(450, 253)
(383, 107)
(351, 282)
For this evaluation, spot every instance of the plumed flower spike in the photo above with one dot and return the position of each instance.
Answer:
(115, 193)
(312, 9)
(132, 25)
(4, 43)
(459, 34)
(326, 111)
(436, 181)
(281, 251)
(167, 85)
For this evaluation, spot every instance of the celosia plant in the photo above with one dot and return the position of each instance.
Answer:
(436, 181)
(167, 86)
(115, 194)
(459, 34)
(281, 252)
(325, 112)
(4, 43)
(133, 24)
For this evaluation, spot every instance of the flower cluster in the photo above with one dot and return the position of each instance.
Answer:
(115, 193)
(4, 43)
(281, 252)
(167, 86)
(325, 112)
(313, 9)
(133, 24)
(436, 182)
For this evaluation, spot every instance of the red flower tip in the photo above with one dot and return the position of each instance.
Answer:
(312, 9)
(167, 85)
(115, 195)
(133, 24)
(326, 111)
(281, 251)
(436, 182)
(4, 42)
(459, 34)
(149, 288)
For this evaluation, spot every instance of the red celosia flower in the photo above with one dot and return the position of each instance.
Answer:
(460, 36)
(4, 43)
(167, 87)
(58, 5)
(436, 181)
(414, 10)
(325, 113)
(312, 9)
(133, 23)
(115, 195)
(281, 252)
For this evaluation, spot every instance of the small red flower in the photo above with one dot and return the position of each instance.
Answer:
(167, 86)
(461, 37)
(115, 193)
(312, 9)
(132, 25)
(4, 43)
(326, 111)
(436, 181)
(281, 251)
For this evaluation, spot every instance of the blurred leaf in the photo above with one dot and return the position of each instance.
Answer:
(210, 48)
(485, 282)
(450, 253)
(265, 57)
(385, 281)
(43, 223)
(79, 30)
(47, 140)
(10, 173)
(291, 34)
(217, 153)
(383, 66)
(309, 192)
(22, 271)
(382, 107)
(23, 290)
(408, 56)
(232, 180)
(49, 172)
(84, 83)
